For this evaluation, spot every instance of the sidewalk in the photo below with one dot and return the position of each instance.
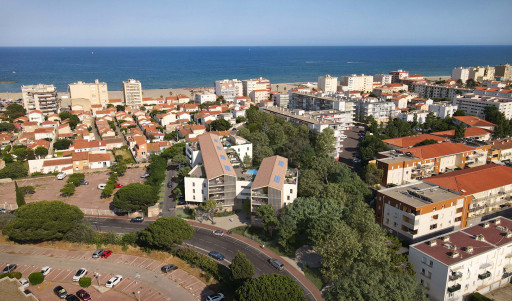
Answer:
(299, 276)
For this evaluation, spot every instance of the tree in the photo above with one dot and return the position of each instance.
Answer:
(68, 190)
(241, 119)
(76, 179)
(503, 127)
(42, 221)
(120, 168)
(426, 142)
(36, 278)
(471, 83)
(460, 131)
(459, 112)
(14, 170)
(85, 282)
(370, 146)
(209, 207)
(20, 153)
(30, 154)
(220, 125)
(20, 196)
(7, 127)
(241, 267)
(135, 197)
(120, 108)
(164, 233)
(180, 159)
(268, 216)
(14, 111)
(247, 160)
(270, 287)
(373, 175)
(61, 144)
(183, 172)
(324, 144)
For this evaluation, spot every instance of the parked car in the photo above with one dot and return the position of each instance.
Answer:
(215, 297)
(276, 264)
(46, 270)
(79, 274)
(61, 176)
(9, 268)
(137, 219)
(216, 255)
(101, 186)
(218, 233)
(168, 268)
(24, 282)
(72, 297)
(97, 253)
(181, 202)
(3, 210)
(84, 182)
(119, 185)
(114, 281)
(83, 295)
(106, 254)
(60, 292)
(356, 160)
(169, 184)
(146, 175)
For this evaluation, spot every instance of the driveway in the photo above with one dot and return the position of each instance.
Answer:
(169, 205)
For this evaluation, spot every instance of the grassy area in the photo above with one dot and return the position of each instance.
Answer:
(127, 156)
(256, 235)
(181, 213)
(314, 275)
(59, 154)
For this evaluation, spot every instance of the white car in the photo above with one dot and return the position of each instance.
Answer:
(24, 282)
(46, 270)
(61, 176)
(356, 160)
(215, 297)
(114, 281)
(101, 186)
(79, 274)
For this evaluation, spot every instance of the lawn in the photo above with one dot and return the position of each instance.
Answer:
(314, 275)
(127, 156)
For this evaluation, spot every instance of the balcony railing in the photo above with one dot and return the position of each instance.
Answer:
(259, 202)
(454, 288)
(455, 276)
(259, 194)
(484, 275)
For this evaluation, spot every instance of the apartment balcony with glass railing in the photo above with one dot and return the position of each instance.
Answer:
(216, 182)
(455, 276)
(259, 201)
(454, 288)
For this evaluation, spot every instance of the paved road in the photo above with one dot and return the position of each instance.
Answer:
(169, 205)
(350, 146)
(156, 280)
(203, 241)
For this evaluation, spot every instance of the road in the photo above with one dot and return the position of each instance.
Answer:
(203, 241)
(350, 146)
(169, 205)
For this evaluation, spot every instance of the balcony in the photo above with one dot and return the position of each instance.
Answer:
(259, 202)
(259, 194)
(484, 275)
(455, 276)
(454, 288)
(216, 182)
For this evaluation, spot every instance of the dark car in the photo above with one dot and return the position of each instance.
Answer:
(84, 183)
(181, 202)
(72, 298)
(216, 255)
(60, 292)
(9, 268)
(169, 184)
(83, 295)
(137, 219)
(168, 268)
(106, 254)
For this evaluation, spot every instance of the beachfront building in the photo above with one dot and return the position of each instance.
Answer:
(435, 205)
(380, 110)
(474, 104)
(438, 91)
(398, 75)
(257, 96)
(474, 259)
(355, 82)
(205, 96)
(443, 109)
(460, 73)
(281, 100)
(132, 90)
(503, 72)
(40, 97)
(259, 83)
(96, 93)
(229, 89)
(481, 73)
(383, 79)
(327, 83)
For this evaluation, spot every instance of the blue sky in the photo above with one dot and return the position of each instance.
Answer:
(254, 23)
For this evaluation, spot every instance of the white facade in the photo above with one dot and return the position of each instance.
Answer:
(195, 189)
(380, 110)
(355, 82)
(327, 83)
(383, 79)
(250, 85)
(289, 193)
(229, 89)
(442, 109)
(481, 73)
(96, 93)
(132, 90)
(204, 97)
(258, 96)
(40, 97)
(243, 189)
(421, 116)
(474, 104)
(460, 73)
(281, 100)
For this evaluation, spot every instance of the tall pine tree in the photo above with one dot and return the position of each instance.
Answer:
(20, 196)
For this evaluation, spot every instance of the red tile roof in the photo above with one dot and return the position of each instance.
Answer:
(438, 150)
(473, 121)
(470, 132)
(411, 140)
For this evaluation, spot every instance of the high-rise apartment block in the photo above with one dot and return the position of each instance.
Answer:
(96, 93)
(328, 84)
(460, 73)
(259, 83)
(132, 90)
(398, 75)
(40, 97)
(355, 82)
(383, 79)
(504, 72)
(229, 89)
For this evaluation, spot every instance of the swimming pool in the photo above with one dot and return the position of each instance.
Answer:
(252, 171)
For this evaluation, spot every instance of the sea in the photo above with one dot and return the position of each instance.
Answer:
(182, 67)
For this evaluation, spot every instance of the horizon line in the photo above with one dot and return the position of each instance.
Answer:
(162, 46)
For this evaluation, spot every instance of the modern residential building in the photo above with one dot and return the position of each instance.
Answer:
(40, 97)
(315, 102)
(258, 96)
(438, 91)
(259, 83)
(389, 89)
(475, 133)
(411, 116)
(355, 82)
(380, 110)
(398, 75)
(203, 97)
(504, 72)
(229, 89)
(132, 90)
(281, 100)
(474, 104)
(383, 79)
(488, 91)
(96, 93)
(443, 109)
(501, 151)
(481, 73)
(460, 73)
(473, 259)
(328, 84)
(410, 141)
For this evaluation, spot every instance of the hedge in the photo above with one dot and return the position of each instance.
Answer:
(201, 261)
(36, 278)
(85, 282)
(16, 275)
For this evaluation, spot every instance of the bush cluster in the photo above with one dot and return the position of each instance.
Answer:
(111, 185)
(36, 278)
(205, 263)
(85, 282)
(16, 275)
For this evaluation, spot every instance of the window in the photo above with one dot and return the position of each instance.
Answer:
(219, 148)
(281, 163)
(194, 197)
(223, 157)
(288, 197)
(458, 219)
(291, 190)
(434, 209)
(432, 227)
(193, 184)
(216, 140)
(277, 179)
(193, 191)
(227, 168)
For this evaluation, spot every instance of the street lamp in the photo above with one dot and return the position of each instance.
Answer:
(138, 292)
(97, 278)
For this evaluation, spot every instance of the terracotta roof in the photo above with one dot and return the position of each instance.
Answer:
(35, 111)
(473, 180)
(438, 150)
(99, 157)
(80, 156)
(470, 132)
(80, 144)
(44, 130)
(501, 144)
(473, 121)
(64, 161)
(272, 172)
(411, 140)
(216, 161)
(40, 142)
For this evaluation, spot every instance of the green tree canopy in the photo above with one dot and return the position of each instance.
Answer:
(76, 179)
(42, 221)
(61, 144)
(14, 170)
(268, 217)
(426, 142)
(241, 267)
(459, 112)
(20, 196)
(373, 175)
(270, 287)
(460, 131)
(135, 197)
(220, 125)
(7, 127)
(164, 233)
(324, 144)
(370, 146)
(14, 111)
(120, 168)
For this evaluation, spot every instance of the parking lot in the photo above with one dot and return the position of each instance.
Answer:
(86, 196)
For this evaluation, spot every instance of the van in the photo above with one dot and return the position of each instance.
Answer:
(276, 264)
(61, 176)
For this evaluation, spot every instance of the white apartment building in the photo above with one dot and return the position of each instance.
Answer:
(201, 98)
(132, 90)
(259, 83)
(355, 82)
(40, 97)
(438, 91)
(503, 71)
(443, 109)
(258, 96)
(474, 104)
(420, 116)
(281, 100)
(460, 73)
(229, 89)
(96, 93)
(379, 109)
(473, 259)
(481, 73)
(383, 79)
(398, 75)
(328, 84)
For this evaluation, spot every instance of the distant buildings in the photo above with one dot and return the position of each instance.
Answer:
(438, 91)
(460, 73)
(383, 79)
(474, 104)
(379, 109)
(203, 97)
(503, 72)
(281, 100)
(443, 109)
(355, 82)
(259, 83)
(132, 91)
(229, 89)
(328, 84)
(40, 97)
(96, 93)
(398, 75)
(480, 73)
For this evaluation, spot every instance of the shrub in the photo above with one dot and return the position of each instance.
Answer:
(129, 239)
(85, 281)
(16, 275)
(205, 263)
(36, 278)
